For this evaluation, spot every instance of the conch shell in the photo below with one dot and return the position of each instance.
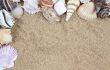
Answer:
(72, 6)
(5, 36)
(48, 3)
(50, 14)
(87, 11)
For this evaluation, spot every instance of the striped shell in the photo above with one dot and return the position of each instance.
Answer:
(5, 36)
(8, 5)
(72, 6)
(87, 11)
(8, 55)
(85, 1)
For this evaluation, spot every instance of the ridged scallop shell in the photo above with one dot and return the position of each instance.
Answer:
(31, 6)
(87, 11)
(60, 7)
(48, 3)
(50, 14)
(6, 19)
(85, 1)
(8, 55)
(5, 36)
(72, 6)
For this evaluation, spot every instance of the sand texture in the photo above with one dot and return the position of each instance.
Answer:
(76, 45)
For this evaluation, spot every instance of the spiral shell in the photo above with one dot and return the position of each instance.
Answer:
(87, 11)
(72, 6)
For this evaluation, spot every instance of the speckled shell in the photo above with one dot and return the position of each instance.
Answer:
(50, 14)
(87, 11)
(5, 36)
(72, 6)
(85, 1)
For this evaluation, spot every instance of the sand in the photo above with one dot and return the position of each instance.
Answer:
(76, 45)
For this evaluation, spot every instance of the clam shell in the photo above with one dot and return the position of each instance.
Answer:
(72, 6)
(60, 10)
(48, 3)
(87, 11)
(5, 36)
(50, 14)
(6, 19)
(31, 6)
(85, 1)
(8, 55)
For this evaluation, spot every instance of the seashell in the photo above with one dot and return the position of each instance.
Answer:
(50, 14)
(8, 55)
(60, 10)
(87, 11)
(72, 6)
(8, 5)
(5, 36)
(16, 0)
(31, 6)
(17, 12)
(6, 19)
(48, 3)
(85, 1)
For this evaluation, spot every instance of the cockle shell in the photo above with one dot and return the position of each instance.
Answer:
(8, 55)
(31, 6)
(5, 36)
(85, 1)
(48, 3)
(72, 6)
(6, 19)
(17, 12)
(60, 7)
(50, 14)
(87, 11)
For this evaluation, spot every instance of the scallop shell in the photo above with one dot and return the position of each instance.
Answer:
(85, 1)
(6, 19)
(48, 3)
(50, 14)
(87, 11)
(5, 36)
(31, 6)
(60, 10)
(72, 6)
(8, 55)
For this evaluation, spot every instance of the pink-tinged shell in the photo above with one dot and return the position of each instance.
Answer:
(85, 1)
(8, 55)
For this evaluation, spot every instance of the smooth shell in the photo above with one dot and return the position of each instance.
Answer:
(87, 11)
(8, 55)
(85, 1)
(5, 36)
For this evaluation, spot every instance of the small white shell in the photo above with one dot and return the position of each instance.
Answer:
(31, 6)
(87, 11)
(60, 7)
(5, 36)
(6, 19)
(85, 1)
(8, 55)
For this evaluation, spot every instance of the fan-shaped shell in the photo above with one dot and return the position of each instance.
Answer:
(85, 1)
(5, 36)
(8, 55)
(87, 11)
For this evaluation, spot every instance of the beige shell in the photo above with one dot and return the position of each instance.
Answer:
(87, 11)
(72, 6)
